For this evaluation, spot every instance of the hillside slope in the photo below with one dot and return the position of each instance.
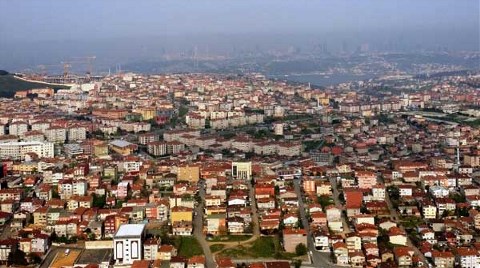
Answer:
(9, 84)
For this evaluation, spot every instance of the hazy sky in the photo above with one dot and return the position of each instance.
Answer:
(24, 23)
(49, 19)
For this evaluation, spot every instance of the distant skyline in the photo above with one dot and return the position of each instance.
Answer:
(40, 32)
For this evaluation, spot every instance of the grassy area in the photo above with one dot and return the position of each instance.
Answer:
(410, 222)
(9, 85)
(229, 238)
(325, 201)
(216, 247)
(188, 246)
(263, 247)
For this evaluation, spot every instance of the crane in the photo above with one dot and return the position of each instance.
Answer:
(43, 68)
(81, 60)
(66, 66)
(88, 60)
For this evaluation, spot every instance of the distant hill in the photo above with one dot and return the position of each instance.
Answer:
(9, 84)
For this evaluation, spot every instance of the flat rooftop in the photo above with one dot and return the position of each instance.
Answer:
(24, 143)
(130, 230)
(120, 143)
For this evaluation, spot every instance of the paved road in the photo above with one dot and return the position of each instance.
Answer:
(319, 259)
(338, 204)
(51, 255)
(198, 228)
(253, 206)
(396, 217)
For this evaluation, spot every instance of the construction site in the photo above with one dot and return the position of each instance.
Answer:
(76, 70)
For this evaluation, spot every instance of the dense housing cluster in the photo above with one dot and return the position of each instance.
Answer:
(196, 170)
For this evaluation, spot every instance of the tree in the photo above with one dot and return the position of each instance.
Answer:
(394, 192)
(55, 194)
(297, 263)
(99, 201)
(277, 190)
(182, 111)
(53, 236)
(300, 222)
(72, 240)
(227, 153)
(144, 192)
(164, 235)
(16, 257)
(91, 236)
(31, 220)
(301, 249)
(364, 210)
(458, 198)
(249, 228)
(462, 212)
(34, 258)
(324, 201)
(445, 213)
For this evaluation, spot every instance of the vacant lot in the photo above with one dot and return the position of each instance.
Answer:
(216, 247)
(263, 247)
(229, 238)
(188, 246)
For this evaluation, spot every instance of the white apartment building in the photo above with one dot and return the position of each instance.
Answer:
(131, 166)
(40, 126)
(56, 134)
(80, 187)
(77, 134)
(128, 243)
(321, 242)
(18, 128)
(242, 170)
(468, 258)
(34, 136)
(378, 193)
(17, 150)
(429, 212)
(157, 148)
(288, 149)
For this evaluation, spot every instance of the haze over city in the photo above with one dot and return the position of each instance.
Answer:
(240, 134)
(121, 32)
